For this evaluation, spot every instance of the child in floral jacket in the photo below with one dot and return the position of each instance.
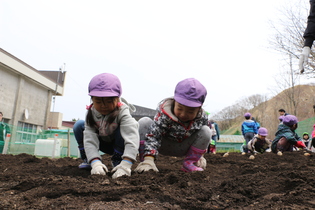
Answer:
(180, 128)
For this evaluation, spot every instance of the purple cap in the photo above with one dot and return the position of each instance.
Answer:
(281, 118)
(190, 92)
(105, 85)
(290, 120)
(263, 131)
(247, 114)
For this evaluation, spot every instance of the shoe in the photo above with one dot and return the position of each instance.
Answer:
(85, 165)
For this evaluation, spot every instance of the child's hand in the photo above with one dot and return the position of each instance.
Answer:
(124, 168)
(202, 163)
(146, 165)
(98, 168)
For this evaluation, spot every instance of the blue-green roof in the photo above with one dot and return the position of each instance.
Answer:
(231, 139)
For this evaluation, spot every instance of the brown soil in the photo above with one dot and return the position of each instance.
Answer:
(234, 182)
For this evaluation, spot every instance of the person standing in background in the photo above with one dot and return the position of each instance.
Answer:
(4, 130)
(257, 123)
(249, 129)
(282, 112)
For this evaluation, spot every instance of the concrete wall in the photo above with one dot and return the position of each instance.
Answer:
(18, 94)
(55, 120)
(26, 97)
(8, 88)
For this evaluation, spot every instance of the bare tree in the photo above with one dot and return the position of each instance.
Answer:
(288, 40)
(230, 115)
(288, 34)
(288, 82)
(251, 101)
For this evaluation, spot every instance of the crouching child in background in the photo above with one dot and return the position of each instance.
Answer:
(306, 139)
(260, 143)
(212, 147)
(286, 138)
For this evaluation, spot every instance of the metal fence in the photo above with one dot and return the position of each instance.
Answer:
(62, 143)
(47, 143)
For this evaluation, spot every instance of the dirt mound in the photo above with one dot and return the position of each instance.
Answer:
(233, 182)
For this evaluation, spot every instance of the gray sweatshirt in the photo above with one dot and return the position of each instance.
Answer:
(128, 128)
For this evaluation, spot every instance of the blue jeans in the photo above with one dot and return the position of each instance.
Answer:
(116, 146)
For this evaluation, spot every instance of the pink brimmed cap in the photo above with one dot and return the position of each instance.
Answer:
(105, 85)
(190, 92)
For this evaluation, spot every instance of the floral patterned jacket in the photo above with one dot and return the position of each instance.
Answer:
(167, 126)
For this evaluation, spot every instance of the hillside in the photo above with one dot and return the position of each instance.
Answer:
(267, 113)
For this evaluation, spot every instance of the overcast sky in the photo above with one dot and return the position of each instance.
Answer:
(149, 45)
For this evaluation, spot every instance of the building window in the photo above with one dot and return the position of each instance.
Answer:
(26, 133)
(6, 120)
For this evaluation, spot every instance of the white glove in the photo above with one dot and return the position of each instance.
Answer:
(202, 163)
(304, 58)
(146, 165)
(98, 168)
(124, 168)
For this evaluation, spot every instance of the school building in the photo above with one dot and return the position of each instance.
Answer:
(26, 97)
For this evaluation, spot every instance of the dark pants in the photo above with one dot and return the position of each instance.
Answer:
(282, 145)
(115, 146)
(248, 136)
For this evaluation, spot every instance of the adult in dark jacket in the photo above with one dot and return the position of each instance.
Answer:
(309, 36)
(282, 112)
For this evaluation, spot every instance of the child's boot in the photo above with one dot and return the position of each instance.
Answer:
(192, 156)
(85, 164)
